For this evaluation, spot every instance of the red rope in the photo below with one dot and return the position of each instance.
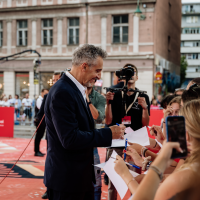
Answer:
(23, 151)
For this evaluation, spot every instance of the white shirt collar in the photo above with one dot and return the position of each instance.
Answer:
(78, 84)
(40, 97)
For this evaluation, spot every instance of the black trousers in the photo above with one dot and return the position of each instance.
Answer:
(55, 195)
(39, 135)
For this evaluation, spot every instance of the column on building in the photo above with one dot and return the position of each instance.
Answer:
(9, 36)
(9, 3)
(9, 83)
(59, 35)
(34, 34)
(33, 89)
(106, 76)
(103, 31)
(34, 2)
(135, 33)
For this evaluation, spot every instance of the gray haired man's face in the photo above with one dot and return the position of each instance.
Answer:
(91, 74)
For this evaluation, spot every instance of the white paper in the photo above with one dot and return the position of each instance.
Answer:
(158, 143)
(131, 197)
(117, 181)
(140, 136)
(101, 165)
(118, 143)
(134, 174)
(129, 130)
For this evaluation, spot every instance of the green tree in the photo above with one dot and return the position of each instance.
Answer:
(184, 65)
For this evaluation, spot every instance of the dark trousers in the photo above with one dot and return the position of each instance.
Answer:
(39, 135)
(55, 195)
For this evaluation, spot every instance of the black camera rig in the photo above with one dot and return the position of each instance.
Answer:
(124, 74)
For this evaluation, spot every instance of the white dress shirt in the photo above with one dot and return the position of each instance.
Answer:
(39, 102)
(27, 103)
(79, 86)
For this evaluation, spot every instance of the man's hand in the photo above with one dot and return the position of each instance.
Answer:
(142, 102)
(109, 96)
(157, 132)
(118, 131)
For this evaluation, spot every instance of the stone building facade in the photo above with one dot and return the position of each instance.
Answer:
(55, 28)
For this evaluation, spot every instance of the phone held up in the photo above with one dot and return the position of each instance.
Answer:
(175, 127)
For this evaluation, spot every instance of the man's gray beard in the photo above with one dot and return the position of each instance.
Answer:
(88, 84)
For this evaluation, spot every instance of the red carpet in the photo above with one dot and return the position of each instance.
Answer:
(26, 179)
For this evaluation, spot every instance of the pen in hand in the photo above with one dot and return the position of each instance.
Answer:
(128, 164)
(125, 148)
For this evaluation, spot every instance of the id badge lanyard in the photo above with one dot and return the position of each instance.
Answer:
(127, 109)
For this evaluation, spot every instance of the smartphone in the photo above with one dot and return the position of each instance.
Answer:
(175, 127)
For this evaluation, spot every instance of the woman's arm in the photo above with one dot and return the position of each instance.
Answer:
(152, 180)
(175, 183)
(123, 171)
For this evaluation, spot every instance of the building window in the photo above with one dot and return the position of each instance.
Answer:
(191, 8)
(190, 31)
(192, 19)
(1, 34)
(120, 29)
(22, 33)
(73, 31)
(169, 43)
(192, 56)
(46, 81)
(190, 44)
(47, 31)
(22, 83)
(1, 83)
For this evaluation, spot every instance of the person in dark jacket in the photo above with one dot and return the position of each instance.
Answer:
(69, 170)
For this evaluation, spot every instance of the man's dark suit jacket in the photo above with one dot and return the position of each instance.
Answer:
(71, 137)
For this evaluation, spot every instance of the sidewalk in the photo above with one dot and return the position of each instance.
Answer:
(25, 182)
(24, 131)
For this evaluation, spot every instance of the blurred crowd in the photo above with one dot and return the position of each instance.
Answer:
(23, 107)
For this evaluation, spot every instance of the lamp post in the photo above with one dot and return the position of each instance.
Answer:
(138, 12)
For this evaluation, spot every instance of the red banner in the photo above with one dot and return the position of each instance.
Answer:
(6, 122)
(155, 118)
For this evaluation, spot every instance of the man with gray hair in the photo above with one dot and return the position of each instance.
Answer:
(69, 170)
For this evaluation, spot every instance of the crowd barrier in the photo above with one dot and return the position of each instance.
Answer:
(6, 121)
(155, 118)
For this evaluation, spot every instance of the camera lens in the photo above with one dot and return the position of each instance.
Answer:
(129, 72)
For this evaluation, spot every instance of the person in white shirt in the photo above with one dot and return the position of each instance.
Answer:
(6, 103)
(17, 103)
(10, 100)
(27, 103)
(41, 129)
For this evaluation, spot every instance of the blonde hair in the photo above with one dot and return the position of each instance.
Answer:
(191, 112)
(175, 100)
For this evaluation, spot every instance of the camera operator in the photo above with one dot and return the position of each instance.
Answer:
(137, 111)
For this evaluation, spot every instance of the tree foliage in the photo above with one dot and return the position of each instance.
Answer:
(184, 65)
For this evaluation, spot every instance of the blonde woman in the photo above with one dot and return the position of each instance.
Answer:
(183, 183)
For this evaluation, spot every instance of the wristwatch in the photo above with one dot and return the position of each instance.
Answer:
(89, 102)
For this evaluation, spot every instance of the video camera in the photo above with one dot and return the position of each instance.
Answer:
(125, 73)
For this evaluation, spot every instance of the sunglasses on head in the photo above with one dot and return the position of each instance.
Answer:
(193, 88)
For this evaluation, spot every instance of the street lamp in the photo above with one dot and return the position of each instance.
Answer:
(138, 12)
